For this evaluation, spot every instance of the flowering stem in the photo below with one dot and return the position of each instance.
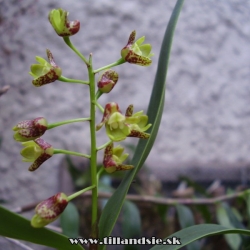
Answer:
(56, 124)
(68, 42)
(93, 160)
(71, 197)
(118, 62)
(65, 79)
(67, 152)
(103, 146)
(99, 106)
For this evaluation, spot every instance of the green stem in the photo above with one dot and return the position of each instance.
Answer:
(68, 42)
(103, 146)
(56, 124)
(99, 106)
(71, 197)
(67, 152)
(98, 94)
(65, 79)
(98, 176)
(118, 62)
(93, 160)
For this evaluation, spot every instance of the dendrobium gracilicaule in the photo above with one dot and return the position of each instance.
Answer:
(37, 151)
(30, 129)
(59, 21)
(136, 52)
(113, 159)
(49, 210)
(45, 72)
(119, 127)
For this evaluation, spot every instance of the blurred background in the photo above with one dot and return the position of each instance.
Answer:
(204, 133)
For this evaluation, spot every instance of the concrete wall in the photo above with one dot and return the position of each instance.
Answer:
(205, 125)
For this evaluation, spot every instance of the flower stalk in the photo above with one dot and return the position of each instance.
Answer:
(67, 152)
(68, 42)
(93, 160)
(57, 124)
(65, 79)
(111, 65)
(73, 196)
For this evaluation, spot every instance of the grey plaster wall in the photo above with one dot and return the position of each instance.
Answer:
(205, 126)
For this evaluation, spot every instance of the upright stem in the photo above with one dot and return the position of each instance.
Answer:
(93, 149)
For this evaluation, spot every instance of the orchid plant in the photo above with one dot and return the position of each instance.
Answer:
(118, 127)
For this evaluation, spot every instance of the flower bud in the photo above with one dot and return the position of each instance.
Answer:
(49, 210)
(136, 52)
(63, 27)
(30, 129)
(107, 81)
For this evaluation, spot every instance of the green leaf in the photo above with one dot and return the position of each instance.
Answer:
(197, 232)
(17, 227)
(131, 220)
(70, 221)
(247, 198)
(186, 219)
(233, 240)
(231, 212)
(185, 216)
(155, 109)
(131, 223)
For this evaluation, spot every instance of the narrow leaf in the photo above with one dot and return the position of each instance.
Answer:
(131, 223)
(233, 240)
(232, 216)
(185, 216)
(186, 219)
(17, 227)
(155, 109)
(197, 232)
(247, 198)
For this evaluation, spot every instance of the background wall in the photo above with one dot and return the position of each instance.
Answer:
(205, 125)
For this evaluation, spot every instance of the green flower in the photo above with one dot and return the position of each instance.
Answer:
(63, 27)
(113, 159)
(116, 128)
(137, 123)
(37, 151)
(45, 72)
(49, 210)
(107, 81)
(30, 129)
(136, 52)
(119, 127)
